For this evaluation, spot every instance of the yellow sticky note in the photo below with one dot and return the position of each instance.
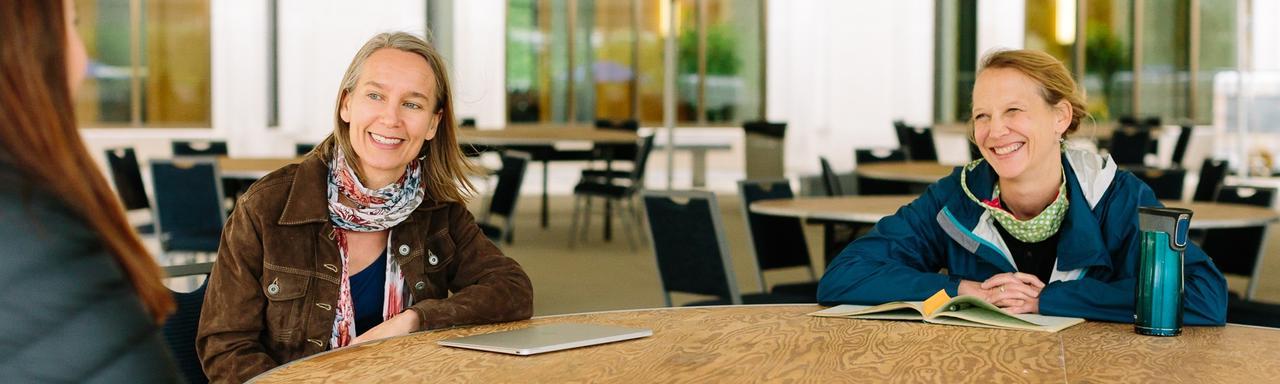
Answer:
(933, 303)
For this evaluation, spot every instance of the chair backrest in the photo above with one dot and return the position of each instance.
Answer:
(642, 160)
(778, 241)
(302, 149)
(1130, 144)
(917, 143)
(127, 175)
(829, 179)
(626, 152)
(180, 328)
(188, 204)
(1236, 250)
(1166, 183)
(1212, 173)
(199, 148)
(877, 155)
(510, 178)
(688, 244)
(1180, 148)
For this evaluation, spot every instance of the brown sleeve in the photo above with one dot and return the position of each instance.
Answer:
(231, 320)
(488, 286)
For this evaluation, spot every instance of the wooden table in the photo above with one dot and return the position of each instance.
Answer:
(252, 167)
(779, 343)
(921, 172)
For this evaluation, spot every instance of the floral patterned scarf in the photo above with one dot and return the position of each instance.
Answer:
(376, 210)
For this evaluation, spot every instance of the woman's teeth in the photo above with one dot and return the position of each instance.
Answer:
(1007, 149)
(384, 140)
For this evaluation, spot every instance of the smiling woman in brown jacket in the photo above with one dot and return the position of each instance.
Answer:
(367, 238)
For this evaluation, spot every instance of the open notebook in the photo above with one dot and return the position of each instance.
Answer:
(967, 311)
(546, 338)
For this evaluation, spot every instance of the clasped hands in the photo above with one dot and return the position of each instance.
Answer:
(1015, 292)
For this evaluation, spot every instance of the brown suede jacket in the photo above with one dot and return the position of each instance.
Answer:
(273, 291)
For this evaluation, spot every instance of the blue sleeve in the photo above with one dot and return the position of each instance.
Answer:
(1111, 297)
(898, 260)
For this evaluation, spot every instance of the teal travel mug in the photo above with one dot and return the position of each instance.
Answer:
(1158, 299)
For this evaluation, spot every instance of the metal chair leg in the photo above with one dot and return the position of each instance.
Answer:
(586, 220)
(573, 227)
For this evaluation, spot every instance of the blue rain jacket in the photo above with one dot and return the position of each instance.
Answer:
(1095, 275)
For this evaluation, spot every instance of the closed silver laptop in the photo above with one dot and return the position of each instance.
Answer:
(546, 338)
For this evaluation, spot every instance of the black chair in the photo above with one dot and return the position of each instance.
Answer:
(199, 148)
(126, 174)
(869, 186)
(1180, 148)
(835, 235)
(917, 142)
(778, 241)
(690, 250)
(1131, 141)
(613, 152)
(1166, 183)
(505, 196)
(1237, 251)
(188, 205)
(302, 149)
(612, 190)
(830, 181)
(1241, 311)
(180, 328)
(1212, 173)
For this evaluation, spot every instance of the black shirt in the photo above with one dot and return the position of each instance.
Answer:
(1034, 258)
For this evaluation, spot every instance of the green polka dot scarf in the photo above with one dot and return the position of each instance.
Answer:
(1033, 230)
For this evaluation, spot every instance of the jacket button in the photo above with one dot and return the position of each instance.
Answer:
(404, 250)
(432, 259)
(420, 286)
(274, 288)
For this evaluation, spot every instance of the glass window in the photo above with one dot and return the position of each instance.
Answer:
(1108, 75)
(582, 60)
(149, 63)
(1163, 83)
(1217, 53)
(956, 57)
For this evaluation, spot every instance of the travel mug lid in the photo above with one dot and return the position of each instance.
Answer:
(1174, 221)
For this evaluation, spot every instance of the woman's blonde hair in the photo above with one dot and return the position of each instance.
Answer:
(444, 168)
(1055, 81)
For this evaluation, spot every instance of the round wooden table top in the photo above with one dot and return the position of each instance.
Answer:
(870, 209)
(925, 172)
(780, 343)
(545, 135)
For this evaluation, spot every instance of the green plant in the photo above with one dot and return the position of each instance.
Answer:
(722, 54)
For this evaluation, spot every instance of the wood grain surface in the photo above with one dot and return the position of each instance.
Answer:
(924, 172)
(545, 135)
(781, 344)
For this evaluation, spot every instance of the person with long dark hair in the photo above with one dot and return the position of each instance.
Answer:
(80, 297)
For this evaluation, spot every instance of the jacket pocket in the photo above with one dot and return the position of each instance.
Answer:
(437, 264)
(286, 294)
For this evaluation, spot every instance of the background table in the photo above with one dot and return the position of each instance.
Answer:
(780, 344)
(870, 209)
(921, 172)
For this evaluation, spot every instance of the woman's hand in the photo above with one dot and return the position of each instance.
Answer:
(397, 325)
(1015, 292)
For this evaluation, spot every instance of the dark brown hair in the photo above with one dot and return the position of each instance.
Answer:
(444, 168)
(38, 136)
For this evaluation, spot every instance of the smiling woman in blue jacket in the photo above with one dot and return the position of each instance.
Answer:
(1032, 227)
